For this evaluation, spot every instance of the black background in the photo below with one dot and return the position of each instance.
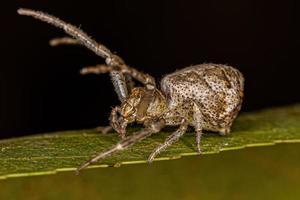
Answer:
(40, 86)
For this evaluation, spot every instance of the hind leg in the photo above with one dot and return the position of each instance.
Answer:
(224, 131)
(198, 121)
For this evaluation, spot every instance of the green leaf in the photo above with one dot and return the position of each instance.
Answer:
(64, 151)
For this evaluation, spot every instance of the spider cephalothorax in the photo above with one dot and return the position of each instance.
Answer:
(206, 96)
(141, 105)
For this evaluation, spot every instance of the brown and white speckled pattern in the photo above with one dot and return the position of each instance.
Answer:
(216, 89)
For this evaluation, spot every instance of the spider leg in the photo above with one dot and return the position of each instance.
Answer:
(115, 123)
(129, 82)
(154, 127)
(102, 68)
(82, 38)
(198, 140)
(119, 82)
(145, 79)
(224, 131)
(104, 129)
(63, 41)
(122, 82)
(73, 31)
(129, 72)
(170, 140)
(97, 69)
(198, 120)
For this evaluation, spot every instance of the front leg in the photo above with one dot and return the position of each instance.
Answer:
(145, 79)
(152, 127)
(113, 63)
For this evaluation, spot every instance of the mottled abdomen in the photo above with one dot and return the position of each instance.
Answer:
(216, 89)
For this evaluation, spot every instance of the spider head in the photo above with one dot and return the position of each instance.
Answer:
(141, 105)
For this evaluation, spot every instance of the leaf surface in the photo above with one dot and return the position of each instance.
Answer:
(64, 151)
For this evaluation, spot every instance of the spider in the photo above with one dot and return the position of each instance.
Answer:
(205, 96)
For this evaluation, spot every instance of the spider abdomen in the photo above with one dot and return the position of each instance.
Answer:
(216, 89)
